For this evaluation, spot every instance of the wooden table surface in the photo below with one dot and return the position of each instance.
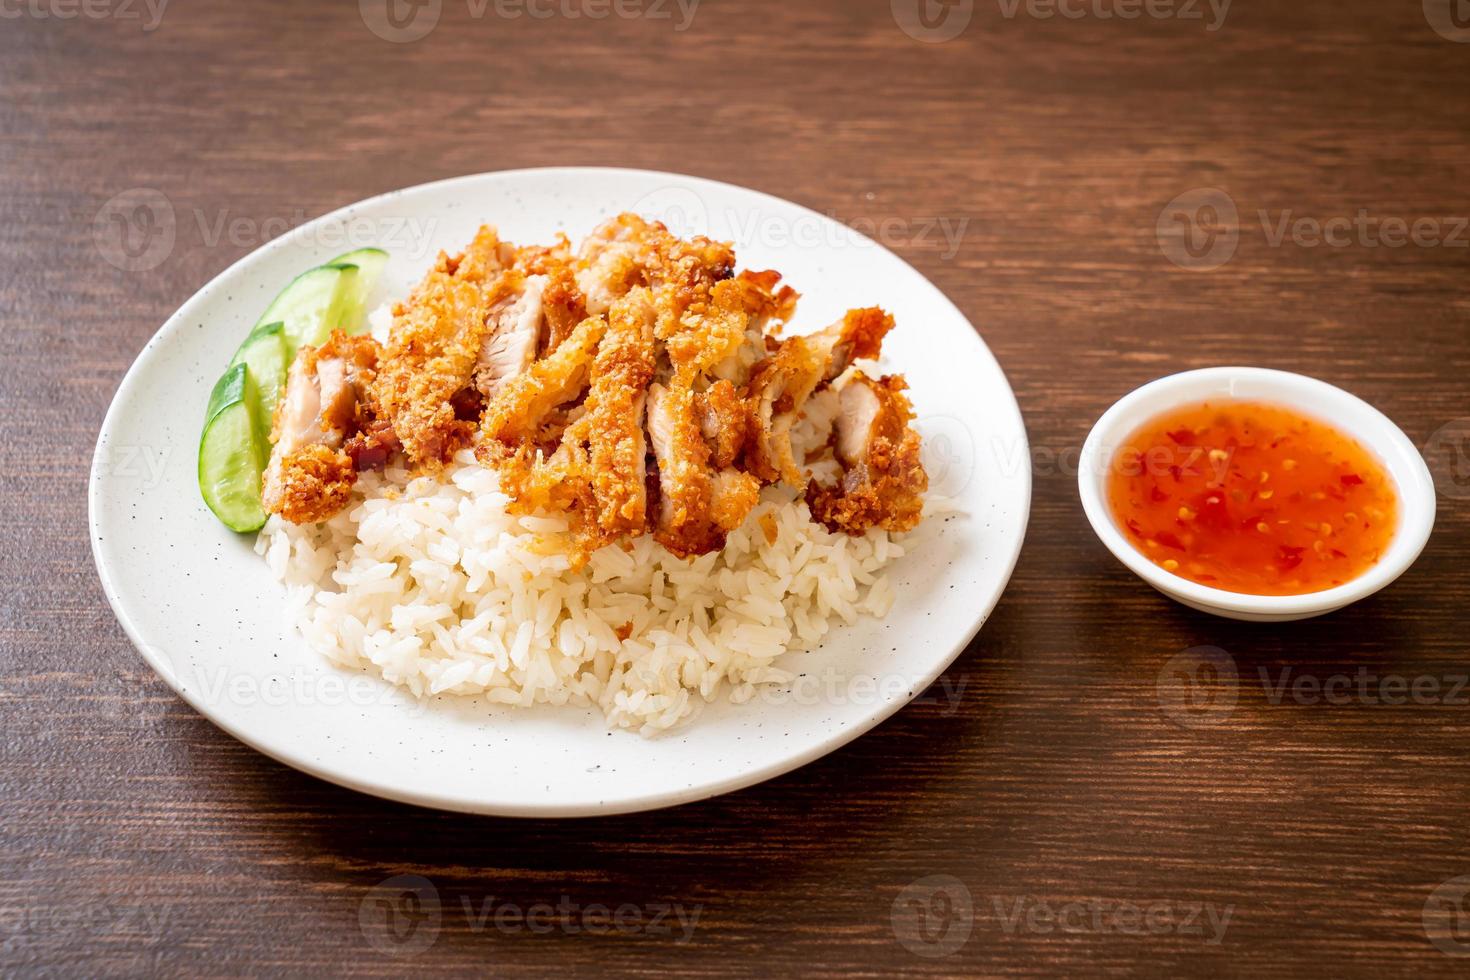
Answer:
(1071, 806)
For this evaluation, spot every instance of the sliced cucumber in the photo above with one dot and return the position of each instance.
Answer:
(233, 452)
(264, 352)
(369, 263)
(312, 306)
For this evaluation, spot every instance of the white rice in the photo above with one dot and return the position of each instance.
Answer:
(436, 587)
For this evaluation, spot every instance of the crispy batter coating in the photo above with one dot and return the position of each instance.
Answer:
(484, 260)
(782, 383)
(434, 346)
(315, 483)
(522, 407)
(596, 474)
(612, 426)
(734, 496)
(686, 482)
(760, 295)
(628, 251)
(724, 420)
(563, 306)
(883, 481)
(541, 260)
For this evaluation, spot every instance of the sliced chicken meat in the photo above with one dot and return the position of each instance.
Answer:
(782, 384)
(724, 421)
(524, 403)
(608, 262)
(611, 426)
(683, 470)
(766, 308)
(513, 335)
(883, 479)
(434, 347)
(310, 476)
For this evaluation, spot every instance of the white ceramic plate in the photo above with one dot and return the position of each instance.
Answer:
(205, 613)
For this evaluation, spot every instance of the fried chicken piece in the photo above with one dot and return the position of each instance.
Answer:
(766, 308)
(859, 335)
(311, 485)
(629, 251)
(612, 425)
(538, 306)
(484, 260)
(686, 270)
(699, 335)
(513, 334)
(563, 307)
(607, 265)
(702, 496)
(310, 475)
(724, 421)
(698, 505)
(698, 426)
(596, 474)
(733, 495)
(538, 483)
(543, 260)
(883, 479)
(758, 294)
(684, 477)
(435, 345)
(522, 406)
(783, 382)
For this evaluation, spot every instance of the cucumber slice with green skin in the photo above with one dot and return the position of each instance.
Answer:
(233, 453)
(312, 306)
(369, 262)
(264, 352)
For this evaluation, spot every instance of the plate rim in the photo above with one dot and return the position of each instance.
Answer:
(882, 710)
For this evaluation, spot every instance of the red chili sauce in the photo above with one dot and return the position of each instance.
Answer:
(1252, 498)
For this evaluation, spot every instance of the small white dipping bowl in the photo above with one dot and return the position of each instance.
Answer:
(1317, 399)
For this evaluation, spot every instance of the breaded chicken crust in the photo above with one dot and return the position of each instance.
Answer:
(884, 481)
(314, 465)
(315, 484)
(436, 339)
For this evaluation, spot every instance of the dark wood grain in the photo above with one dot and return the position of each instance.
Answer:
(136, 839)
